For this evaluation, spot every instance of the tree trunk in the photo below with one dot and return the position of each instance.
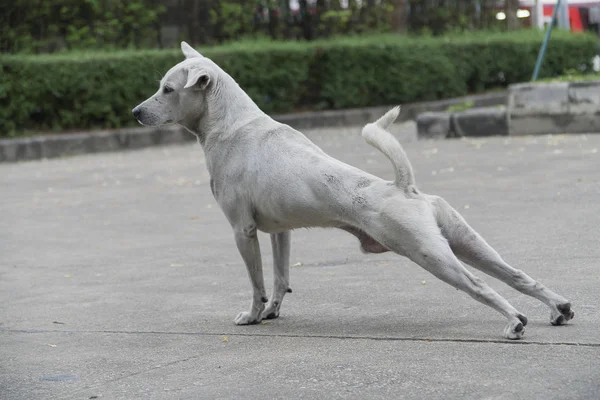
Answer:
(307, 28)
(511, 7)
(400, 16)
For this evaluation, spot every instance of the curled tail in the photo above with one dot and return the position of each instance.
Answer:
(376, 135)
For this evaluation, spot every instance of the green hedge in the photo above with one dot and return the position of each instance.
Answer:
(98, 90)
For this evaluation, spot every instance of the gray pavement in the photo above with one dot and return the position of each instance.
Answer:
(119, 279)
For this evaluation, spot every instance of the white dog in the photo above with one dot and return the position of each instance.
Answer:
(267, 176)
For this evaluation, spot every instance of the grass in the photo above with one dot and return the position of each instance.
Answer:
(573, 77)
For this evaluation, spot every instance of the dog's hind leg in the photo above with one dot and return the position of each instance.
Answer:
(438, 259)
(471, 248)
(280, 242)
(410, 230)
(247, 243)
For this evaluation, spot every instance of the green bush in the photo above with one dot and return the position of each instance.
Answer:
(98, 90)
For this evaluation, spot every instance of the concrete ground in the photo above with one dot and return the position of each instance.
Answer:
(119, 279)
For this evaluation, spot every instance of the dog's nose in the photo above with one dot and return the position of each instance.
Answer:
(136, 112)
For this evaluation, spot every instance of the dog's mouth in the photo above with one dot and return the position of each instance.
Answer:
(167, 122)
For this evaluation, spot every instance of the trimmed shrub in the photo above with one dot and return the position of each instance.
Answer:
(98, 90)
(359, 76)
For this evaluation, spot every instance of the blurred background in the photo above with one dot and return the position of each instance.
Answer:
(83, 64)
(44, 26)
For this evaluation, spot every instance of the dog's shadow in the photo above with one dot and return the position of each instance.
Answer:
(377, 327)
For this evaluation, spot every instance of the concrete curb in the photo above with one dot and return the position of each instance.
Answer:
(554, 107)
(361, 116)
(61, 145)
(475, 122)
(531, 109)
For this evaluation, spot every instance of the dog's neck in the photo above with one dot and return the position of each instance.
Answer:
(226, 109)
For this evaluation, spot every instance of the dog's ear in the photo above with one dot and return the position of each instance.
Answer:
(188, 51)
(198, 78)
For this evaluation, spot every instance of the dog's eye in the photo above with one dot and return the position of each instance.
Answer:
(167, 89)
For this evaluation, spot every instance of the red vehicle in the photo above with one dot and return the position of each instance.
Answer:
(584, 15)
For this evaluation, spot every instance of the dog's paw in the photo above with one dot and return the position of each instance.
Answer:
(561, 314)
(272, 310)
(515, 328)
(246, 318)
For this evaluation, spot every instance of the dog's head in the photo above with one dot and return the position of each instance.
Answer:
(181, 95)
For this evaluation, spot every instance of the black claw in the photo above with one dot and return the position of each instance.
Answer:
(519, 327)
(272, 315)
(289, 290)
(523, 319)
(264, 299)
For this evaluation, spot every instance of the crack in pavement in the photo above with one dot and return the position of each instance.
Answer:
(132, 374)
(291, 335)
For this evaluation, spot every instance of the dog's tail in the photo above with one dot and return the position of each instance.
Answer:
(377, 135)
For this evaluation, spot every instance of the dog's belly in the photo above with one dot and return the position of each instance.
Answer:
(269, 223)
(367, 243)
(273, 226)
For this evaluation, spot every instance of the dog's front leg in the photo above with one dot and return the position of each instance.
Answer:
(280, 242)
(247, 243)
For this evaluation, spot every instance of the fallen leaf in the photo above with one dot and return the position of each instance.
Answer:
(298, 264)
(265, 322)
(423, 282)
(225, 339)
(195, 217)
(68, 276)
(177, 265)
(51, 345)
(467, 206)
(58, 322)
